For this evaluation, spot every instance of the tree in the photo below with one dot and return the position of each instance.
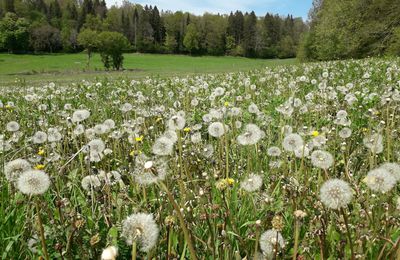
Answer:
(394, 46)
(250, 34)
(214, 28)
(9, 6)
(191, 40)
(14, 33)
(88, 39)
(45, 38)
(111, 46)
(170, 43)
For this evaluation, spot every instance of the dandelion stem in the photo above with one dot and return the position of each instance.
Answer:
(296, 238)
(41, 229)
(227, 156)
(181, 221)
(134, 250)
(257, 240)
(346, 222)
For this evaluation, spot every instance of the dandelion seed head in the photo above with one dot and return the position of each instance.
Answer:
(15, 168)
(39, 137)
(33, 182)
(217, 129)
(393, 168)
(142, 228)
(12, 126)
(80, 115)
(269, 240)
(251, 183)
(176, 123)
(336, 194)
(90, 182)
(162, 146)
(274, 151)
(292, 142)
(251, 135)
(380, 180)
(345, 133)
(322, 159)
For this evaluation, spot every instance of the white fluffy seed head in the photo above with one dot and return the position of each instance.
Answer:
(336, 194)
(322, 159)
(162, 146)
(292, 142)
(33, 182)
(251, 135)
(15, 168)
(251, 183)
(80, 115)
(39, 137)
(12, 126)
(380, 180)
(217, 129)
(142, 228)
(176, 123)
(393, 168)
(269, 240)
(90, 182)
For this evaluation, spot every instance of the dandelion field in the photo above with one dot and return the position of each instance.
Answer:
(290, 162)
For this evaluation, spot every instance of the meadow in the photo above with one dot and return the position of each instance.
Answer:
(61, 68)
(282, 162)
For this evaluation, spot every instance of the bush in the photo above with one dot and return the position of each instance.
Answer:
(111, 45)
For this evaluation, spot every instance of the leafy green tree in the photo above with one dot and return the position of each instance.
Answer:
(191, 40)
(214, 29)
(170, 43)
(89, 40)
(230, 44)
(93, 23)
(394, 46)
(111, 46)
(14, 33)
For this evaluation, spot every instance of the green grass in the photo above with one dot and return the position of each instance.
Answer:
(68, 67)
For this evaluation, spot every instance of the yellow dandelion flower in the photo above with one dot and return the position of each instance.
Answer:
(230, 181)
(226, 103)
(139, 139)
(39, 167)
(134, 152)
(315, 133)
(41, 151)
(186, 129)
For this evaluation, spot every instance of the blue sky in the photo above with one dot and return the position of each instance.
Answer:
(298, 8)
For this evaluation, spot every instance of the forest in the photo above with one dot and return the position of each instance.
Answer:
(343, 29)
(38, 26)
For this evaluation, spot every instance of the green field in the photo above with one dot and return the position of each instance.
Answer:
(68, 67)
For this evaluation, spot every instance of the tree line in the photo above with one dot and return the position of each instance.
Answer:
(343, 29)
(55, 26)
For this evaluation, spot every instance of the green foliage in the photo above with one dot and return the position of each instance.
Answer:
(14, 33)
(149, 30)
(351, 29)
(394, 45)
(45, 38)
(191, 40)
(89, 40)
(111, 45)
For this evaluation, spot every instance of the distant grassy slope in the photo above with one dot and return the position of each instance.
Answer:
(67, 67)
